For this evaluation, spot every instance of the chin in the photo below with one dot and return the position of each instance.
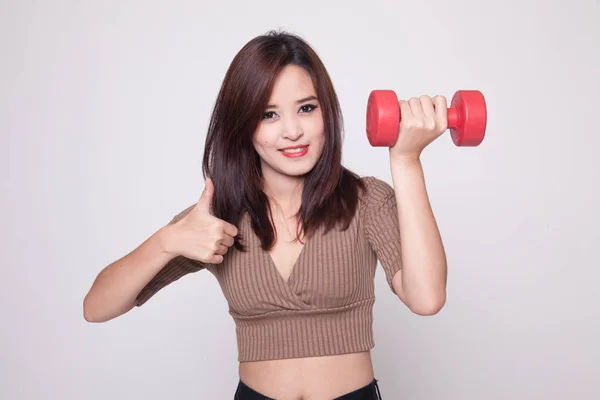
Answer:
(297, 171)
(296, 167)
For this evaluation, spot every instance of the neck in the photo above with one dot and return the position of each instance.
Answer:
(285, 191)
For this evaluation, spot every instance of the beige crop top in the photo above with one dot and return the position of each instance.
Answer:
(326, 305)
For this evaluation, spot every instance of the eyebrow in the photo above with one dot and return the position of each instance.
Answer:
(298, 101)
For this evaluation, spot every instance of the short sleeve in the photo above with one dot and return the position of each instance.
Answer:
(172, 271)
(380, 220)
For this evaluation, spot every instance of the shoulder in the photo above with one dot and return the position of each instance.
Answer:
(378, 199)
(376, 190)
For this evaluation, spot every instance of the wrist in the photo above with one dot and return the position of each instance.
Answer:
(406, 171)
(405, 161)
(164, 241)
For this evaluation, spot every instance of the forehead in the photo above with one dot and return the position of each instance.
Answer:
(292, 83)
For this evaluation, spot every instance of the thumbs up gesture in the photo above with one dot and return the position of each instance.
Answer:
(199, 235)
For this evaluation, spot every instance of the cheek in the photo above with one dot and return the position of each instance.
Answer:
(318, 132)
(320, 137)
(263, 141)
(316, 127)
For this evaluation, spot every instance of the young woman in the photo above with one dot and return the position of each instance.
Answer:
(292, 236)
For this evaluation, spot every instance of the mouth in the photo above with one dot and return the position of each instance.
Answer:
(294, 151)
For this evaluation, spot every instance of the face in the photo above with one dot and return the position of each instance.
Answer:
(290, 137)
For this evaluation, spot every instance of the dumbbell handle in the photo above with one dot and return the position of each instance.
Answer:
(453, 118)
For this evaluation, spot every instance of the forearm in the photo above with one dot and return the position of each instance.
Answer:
(424, 268)
(116, 287)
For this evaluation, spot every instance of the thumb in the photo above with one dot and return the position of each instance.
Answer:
(204, 204)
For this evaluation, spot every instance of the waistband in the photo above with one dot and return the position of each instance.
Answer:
(306, 333)
(370, 391)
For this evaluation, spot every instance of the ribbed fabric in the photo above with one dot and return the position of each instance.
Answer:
(326, 305)
(307, 333)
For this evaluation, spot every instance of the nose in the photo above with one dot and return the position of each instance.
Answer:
(292, 129)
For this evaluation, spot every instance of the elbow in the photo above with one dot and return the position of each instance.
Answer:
(428, 305)
(88, 311)
(91, 313)
(94, 312)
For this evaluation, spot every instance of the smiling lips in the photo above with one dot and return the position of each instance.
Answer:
(294, 151)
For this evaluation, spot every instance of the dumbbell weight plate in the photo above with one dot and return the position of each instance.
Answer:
(467, 118)
(383, 118)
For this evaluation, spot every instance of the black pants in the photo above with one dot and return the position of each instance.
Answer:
(369, 392)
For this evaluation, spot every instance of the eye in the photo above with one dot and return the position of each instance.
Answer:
(268, 115)
(307, 108)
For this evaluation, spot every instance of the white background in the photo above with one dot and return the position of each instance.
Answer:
(104, 107)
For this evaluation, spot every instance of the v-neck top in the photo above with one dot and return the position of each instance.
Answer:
(326, 305)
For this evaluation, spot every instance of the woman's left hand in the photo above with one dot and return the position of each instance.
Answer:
(422, 120)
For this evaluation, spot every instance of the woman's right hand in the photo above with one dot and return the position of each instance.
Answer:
(199, 235)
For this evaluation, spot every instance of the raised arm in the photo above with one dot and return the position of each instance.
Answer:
(421, 283)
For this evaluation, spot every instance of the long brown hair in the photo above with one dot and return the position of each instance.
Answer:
(330, 192)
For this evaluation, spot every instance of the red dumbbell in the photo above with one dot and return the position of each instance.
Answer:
(467, 118)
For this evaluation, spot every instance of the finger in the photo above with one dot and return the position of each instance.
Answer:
(215, 259)
(415, 107)
(222, 250)
(440, 105)
(427, 106)
(205, 201)
(227, 240)
(405, 112)
(230, 229)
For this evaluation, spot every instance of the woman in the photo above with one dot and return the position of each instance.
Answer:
(292, 236)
